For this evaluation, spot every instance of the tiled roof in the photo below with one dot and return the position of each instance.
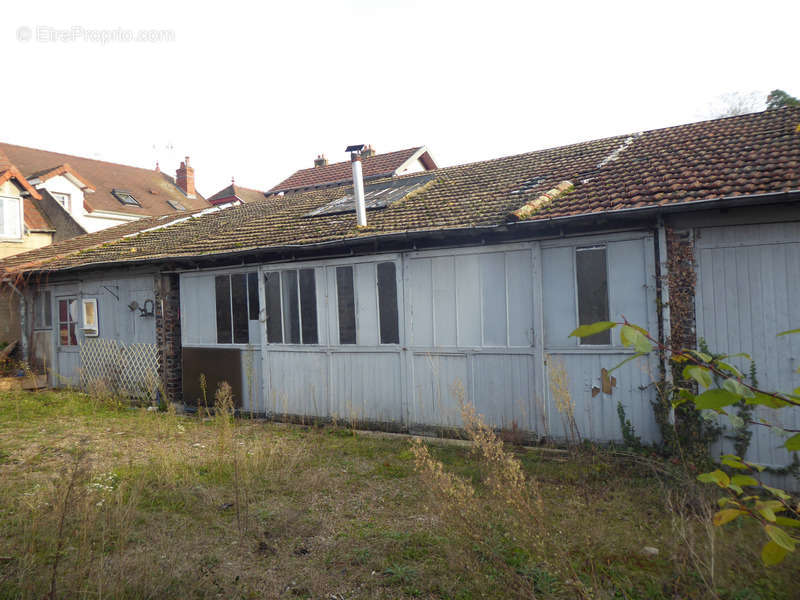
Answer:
(737, 156)
(76, 246)
(242, 193)
(33, 217)
(373, 166)
(151, 188)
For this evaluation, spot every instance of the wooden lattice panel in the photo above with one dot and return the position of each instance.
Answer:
(130, 371)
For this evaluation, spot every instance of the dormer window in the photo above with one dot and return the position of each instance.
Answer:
(10, 218)
(176, 205)
(63, 199)
(125, 197)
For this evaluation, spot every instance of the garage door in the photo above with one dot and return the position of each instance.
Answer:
(748, 290)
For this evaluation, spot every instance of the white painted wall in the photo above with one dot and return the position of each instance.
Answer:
(62, 185)
(414, 166)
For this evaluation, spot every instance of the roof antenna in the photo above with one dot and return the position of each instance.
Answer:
(358, 183)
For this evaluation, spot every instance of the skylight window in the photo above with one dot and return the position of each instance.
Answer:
(376, 196)
(176, 205)
(125, 197)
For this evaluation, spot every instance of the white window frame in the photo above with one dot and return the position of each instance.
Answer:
(67, 205)
(280, 271)
(21, 224)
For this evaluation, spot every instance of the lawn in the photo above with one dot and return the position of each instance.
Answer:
(101, 500)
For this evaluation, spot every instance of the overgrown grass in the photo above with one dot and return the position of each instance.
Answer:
(99, 500)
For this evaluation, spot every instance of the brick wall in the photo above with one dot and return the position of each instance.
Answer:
(168, 335)
(682, 277)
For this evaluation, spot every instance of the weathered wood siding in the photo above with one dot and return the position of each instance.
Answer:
(476, 323)
(748, 288)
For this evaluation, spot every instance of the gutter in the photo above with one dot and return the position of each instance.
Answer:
(523, 227)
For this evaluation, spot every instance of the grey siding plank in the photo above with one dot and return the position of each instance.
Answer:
(468, 300)
(520, 298)
(444, 301)
(493, 294)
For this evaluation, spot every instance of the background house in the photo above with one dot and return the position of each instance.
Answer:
(96, 194)
(466, 278)
(48, 197)
(389, 164)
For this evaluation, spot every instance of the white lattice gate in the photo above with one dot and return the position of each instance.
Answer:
(130, 370)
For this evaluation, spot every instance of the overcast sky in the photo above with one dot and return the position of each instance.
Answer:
(256, 91)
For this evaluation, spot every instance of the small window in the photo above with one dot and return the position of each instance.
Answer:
(291, 309)
(176, 205)
(222, 288)
(43, 315)
(345, 295)
(10, 218)
(63, 199)
(252, 296)
(272, 289)
(125, 197)
(241, 326)
(308, 305)
(387, 303)
(67, 321)
(592, 281)
(232, 299)
(291, 314)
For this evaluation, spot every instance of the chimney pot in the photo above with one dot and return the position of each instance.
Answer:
(321, 161)
(368, 151)
(184, 179)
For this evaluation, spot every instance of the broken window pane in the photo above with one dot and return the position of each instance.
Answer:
(346, 302)
(590, 267)
(387, 303)
(252, 296)
(272, 294)
(241, 334)
(308, 305)
(291, 316)
(222, 287)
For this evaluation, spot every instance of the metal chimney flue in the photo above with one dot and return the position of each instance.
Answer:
(358, 183)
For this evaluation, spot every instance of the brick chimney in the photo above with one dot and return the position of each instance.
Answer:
(184, 178)
(321, 161)
(368, 151)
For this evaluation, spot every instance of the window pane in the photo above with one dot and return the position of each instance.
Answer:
(387, 303)
(308, 305)
(10, 225)
(223, 293)
(62, 311)
(590, 266)
(346, 302)
(291, 316)
(240, 320)
(73, 341)
(42, 313)
(252, 296)
(272, 293)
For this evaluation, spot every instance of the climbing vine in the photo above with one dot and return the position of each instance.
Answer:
(712, 383)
